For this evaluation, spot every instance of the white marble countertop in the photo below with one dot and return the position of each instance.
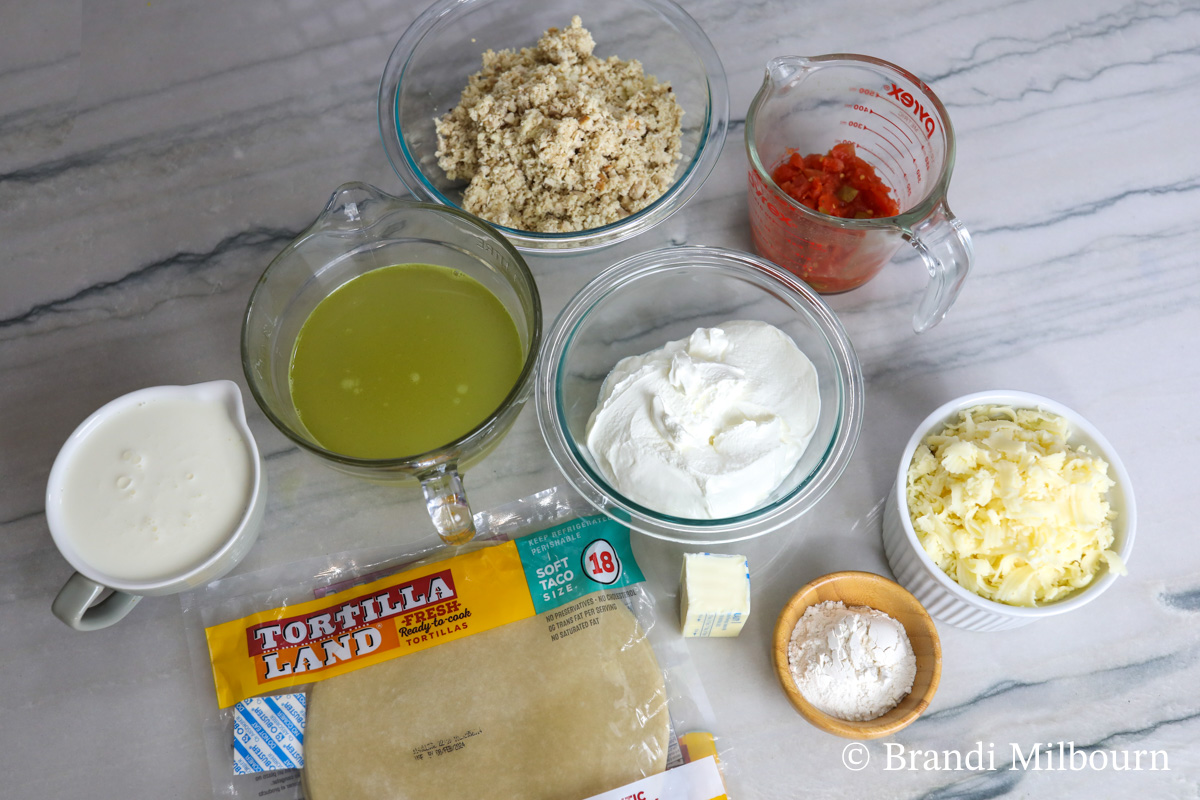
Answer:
(154, 156)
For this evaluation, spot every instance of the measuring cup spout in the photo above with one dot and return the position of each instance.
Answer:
(945, 245)
(782, 70)
(353, 208)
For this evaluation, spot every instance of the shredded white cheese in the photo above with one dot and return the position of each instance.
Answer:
(1008, 509)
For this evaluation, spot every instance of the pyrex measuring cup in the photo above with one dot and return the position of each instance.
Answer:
(362, 229)
(898, 126)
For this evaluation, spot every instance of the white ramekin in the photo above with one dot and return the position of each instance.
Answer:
(945, 600)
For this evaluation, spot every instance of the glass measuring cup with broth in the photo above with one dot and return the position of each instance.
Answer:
(395, 341)
(901, 130)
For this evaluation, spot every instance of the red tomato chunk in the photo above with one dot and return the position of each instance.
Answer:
(838, 183)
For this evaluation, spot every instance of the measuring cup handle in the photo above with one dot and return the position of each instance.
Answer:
(76, 604)
(446, 501)
(945, 245)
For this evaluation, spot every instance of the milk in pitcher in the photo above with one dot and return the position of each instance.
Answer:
(156, 489)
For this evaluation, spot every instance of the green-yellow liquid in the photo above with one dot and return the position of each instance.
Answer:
(402, 360)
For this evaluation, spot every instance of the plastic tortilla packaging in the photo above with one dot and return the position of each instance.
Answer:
(531, 663)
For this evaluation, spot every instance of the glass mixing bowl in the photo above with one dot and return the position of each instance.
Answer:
(655, 297)
(429, 67)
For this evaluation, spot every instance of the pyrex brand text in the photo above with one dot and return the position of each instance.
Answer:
(908, 101)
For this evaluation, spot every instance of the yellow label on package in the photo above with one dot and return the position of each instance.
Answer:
(401, 613)
(418, 608)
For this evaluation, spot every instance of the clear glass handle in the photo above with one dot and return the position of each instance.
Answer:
(446, 501)
(945, 245)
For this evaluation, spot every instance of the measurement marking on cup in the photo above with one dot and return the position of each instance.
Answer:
(903, 152)
(910, 152)
(888, 119)
(908, 119)
(900, 149)
(898, 170)
(759, 187)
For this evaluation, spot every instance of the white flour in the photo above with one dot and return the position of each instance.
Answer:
(853, 663)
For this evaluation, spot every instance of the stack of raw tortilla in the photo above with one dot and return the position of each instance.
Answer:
(505, 713)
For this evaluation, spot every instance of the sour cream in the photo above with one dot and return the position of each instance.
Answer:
(709, 426)
(155, 489)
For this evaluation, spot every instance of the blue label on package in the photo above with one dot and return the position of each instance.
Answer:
(574, 559)
(268, 734)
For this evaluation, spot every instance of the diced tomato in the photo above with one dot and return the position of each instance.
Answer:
(838, 183)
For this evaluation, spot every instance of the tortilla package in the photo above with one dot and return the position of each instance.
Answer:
(528, 664)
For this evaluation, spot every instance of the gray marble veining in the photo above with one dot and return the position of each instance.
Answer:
(155, 155)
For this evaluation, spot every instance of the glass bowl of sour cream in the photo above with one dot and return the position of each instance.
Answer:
(689, 463)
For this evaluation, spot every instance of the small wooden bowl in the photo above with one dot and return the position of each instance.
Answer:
(873, 591)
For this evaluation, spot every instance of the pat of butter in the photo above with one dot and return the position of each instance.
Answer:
(714, 595)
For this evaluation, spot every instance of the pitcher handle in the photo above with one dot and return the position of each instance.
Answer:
(76, 604)
(446, 501)
(945, 245)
